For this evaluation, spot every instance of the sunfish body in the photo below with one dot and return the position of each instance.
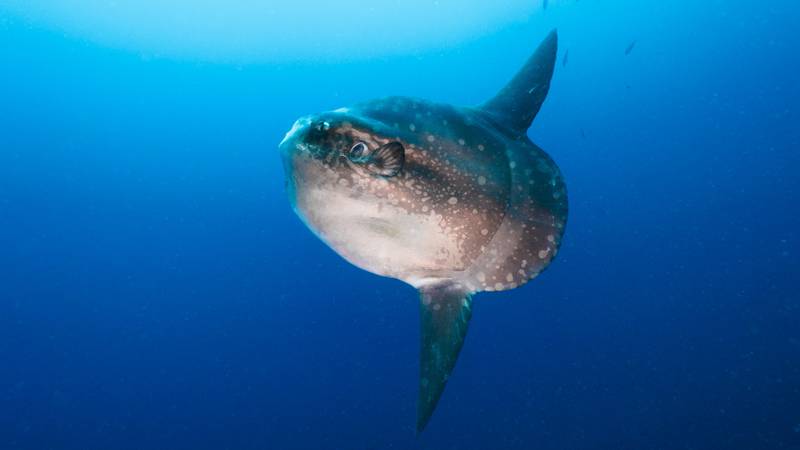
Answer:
(453, 201)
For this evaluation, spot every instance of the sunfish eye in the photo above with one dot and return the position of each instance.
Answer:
(323, 126)
(358, 152)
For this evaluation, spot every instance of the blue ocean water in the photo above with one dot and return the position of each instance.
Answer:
(158, 292)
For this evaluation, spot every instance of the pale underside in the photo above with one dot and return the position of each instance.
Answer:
(383, 238)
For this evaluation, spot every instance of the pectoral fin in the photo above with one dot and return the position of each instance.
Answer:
(445, 311)
(387, 160)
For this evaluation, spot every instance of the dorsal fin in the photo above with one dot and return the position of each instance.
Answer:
(519, 101)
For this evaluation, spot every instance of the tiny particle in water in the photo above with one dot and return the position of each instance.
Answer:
(412, 127)
(481, 180)
(452, 200)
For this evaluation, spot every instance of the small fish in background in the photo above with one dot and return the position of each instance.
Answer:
(583, 134)
(565, 60)
(629, 48)
(544, 5)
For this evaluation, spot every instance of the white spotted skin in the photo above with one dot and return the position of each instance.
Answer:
(374, 232)
(472, 205)
(530, 235)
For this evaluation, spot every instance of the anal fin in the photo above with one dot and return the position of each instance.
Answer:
(445, 310)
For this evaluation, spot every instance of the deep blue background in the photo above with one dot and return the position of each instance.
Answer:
(156, 291)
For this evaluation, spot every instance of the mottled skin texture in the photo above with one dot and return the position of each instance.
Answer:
(495, 203)
(453, 201)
